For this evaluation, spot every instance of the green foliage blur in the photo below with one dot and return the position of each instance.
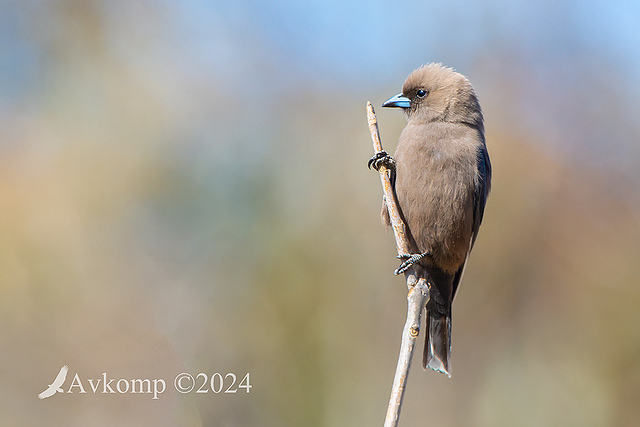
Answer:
(183, 188)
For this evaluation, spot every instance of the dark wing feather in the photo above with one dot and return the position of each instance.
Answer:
(482, 189)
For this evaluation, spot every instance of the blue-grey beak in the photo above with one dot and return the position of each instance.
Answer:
(398, 101)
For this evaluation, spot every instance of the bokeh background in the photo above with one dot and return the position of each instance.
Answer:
(183, 188)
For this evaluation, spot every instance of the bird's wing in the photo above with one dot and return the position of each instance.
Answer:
(62, 375)
(50, 391)
(458, 276)
(483, 187)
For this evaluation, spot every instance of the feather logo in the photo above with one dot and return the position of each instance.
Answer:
(56, 385)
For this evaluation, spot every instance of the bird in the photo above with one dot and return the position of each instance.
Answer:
(56, 385)
(441, 174)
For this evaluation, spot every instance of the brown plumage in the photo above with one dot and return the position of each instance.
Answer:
(442, 180)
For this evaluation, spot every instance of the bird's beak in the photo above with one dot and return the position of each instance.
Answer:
(398, 101)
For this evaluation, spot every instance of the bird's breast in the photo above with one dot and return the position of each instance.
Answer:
(435, 175)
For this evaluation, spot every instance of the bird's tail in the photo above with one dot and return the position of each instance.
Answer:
(437, 344)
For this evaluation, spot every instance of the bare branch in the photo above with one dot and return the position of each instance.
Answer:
(416, 300)
(418, 294)
(402, 243)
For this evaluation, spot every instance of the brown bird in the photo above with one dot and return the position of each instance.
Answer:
(442, 179)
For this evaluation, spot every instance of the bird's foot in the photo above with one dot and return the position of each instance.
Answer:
(381, 158)
(409, 260)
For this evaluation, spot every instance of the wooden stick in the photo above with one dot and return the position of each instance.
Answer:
(416, 301)
(418, 294)
(402, 243)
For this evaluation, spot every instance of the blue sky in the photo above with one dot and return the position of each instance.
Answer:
(364, 42)
(536, 60)
(351, 43)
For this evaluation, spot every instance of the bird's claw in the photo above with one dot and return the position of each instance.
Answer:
(381, 158)
(409, 261)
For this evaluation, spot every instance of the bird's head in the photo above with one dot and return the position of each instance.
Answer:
(434, 92)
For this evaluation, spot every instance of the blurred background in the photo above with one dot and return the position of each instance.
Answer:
(183, 188)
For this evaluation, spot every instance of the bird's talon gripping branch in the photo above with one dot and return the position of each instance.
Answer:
(381, 158)
(410, 260)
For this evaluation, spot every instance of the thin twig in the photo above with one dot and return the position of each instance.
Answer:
(416, 300)
(402, 243)
(418, 290)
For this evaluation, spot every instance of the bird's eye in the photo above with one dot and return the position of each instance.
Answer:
(421, 93)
